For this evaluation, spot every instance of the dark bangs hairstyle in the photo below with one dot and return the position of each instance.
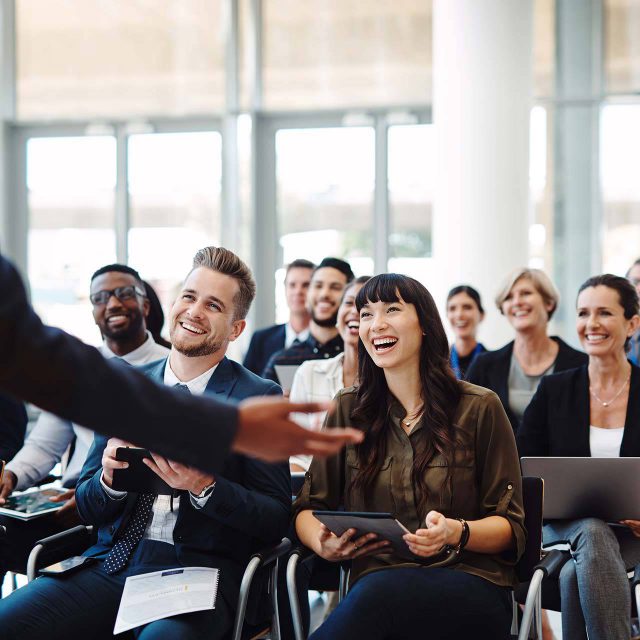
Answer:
(440, 390)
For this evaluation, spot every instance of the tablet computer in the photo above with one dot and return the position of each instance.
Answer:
(382, 524)
(137, 476)
(605, 488)
(32, 503)
(286, 373)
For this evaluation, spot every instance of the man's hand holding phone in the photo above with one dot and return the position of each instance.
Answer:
(109, 461)
(179, 476)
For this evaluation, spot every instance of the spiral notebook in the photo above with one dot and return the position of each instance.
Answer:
(161, 594)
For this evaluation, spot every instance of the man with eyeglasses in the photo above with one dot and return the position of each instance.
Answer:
(119, 310)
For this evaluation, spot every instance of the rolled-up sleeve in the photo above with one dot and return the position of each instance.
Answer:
(499, 477)
(324, 482)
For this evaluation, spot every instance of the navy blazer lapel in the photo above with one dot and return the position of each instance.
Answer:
(223, 379)
(277, 339)
(157, 371)
(581, 406)
(631, 435)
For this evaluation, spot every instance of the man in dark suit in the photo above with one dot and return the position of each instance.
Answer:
(13, 425)
(328, 281)
(62, 375)
(210, 520)
(265, 342)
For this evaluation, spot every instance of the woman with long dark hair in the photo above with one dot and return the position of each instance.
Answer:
(438, 454)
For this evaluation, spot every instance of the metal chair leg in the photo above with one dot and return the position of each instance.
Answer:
(531, 604)
(245, 585)
(292, 589)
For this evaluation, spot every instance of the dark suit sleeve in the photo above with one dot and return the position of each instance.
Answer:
(261, 506)
(94, 505)
(533, 434)
(253, 357)
(13, 425)
(62, 375)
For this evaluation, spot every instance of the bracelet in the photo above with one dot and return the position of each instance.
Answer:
(464, 536)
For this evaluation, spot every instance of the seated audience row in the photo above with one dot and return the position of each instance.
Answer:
(206, 521)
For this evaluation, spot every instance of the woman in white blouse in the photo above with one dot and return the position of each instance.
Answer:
(318, 380)
(593, 410)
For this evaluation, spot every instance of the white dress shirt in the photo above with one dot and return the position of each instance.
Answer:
(165, 508)
(290, 335)
(51, 436)
(315, 381)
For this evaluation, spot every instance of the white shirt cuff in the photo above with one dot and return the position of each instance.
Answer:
(112, 493)
(198, 503)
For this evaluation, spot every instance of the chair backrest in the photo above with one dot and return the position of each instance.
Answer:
(532, 498)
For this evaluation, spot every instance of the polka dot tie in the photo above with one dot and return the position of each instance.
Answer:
(121, 551)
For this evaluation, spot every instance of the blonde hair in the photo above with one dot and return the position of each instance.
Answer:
(541, 281)
(224, 261)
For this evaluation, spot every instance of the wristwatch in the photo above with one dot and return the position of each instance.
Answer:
(206, 492)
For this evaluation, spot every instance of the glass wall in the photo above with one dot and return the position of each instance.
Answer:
(174, 197)
(71, 191)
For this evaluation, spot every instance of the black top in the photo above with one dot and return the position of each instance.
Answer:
(13, 425)
(556, 422)
(491, 370)
(298, 353)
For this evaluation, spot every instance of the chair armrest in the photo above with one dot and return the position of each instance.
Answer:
(58, 547)
(552, 562)
(269, 555)
(80, 532)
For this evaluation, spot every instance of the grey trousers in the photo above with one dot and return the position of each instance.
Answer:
(594, 588)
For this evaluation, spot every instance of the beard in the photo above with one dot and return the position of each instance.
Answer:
(133, 329)
(326, 323)
(206, 347)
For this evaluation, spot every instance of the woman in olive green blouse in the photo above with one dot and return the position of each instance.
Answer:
(438, 454)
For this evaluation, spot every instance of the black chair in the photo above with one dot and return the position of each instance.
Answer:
(73, 541)
(530, 570)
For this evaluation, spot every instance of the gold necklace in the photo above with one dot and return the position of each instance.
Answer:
(609, 402)
(408, 420)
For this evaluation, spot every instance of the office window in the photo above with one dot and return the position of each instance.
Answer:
(340, 53)
(619, 162)
(622, 45)
(325, 185)
(71, 194)
(174, 195)
(81, 59)
(411, 180)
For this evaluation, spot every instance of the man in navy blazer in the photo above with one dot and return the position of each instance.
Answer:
(265, 342)
(210, 520)
(62, 375)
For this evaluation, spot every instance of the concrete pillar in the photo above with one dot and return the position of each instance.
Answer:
(482, 99)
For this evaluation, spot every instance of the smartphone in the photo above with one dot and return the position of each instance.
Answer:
(69, 565)
(137, 476)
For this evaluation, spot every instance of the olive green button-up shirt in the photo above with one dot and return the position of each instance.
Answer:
(485, 481)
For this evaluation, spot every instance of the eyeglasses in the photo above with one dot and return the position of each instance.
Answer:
(122, 293)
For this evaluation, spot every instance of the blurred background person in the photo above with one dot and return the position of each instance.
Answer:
(633, 275)
(265, 342)
(528, 300)
(465, 313)
(155, 319)
(320, 380)
(593, 411)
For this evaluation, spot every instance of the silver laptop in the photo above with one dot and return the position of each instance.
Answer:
(605, 488)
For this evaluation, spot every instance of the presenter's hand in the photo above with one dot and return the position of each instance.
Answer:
(109, 462)
(345, 547)
(266, 431)
(179, 476)
(634, 525)
(439, 532)
(8, 484)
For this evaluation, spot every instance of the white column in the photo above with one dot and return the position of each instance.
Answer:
(482, 98)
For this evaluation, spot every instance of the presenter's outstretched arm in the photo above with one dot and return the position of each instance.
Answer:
(61, 374)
